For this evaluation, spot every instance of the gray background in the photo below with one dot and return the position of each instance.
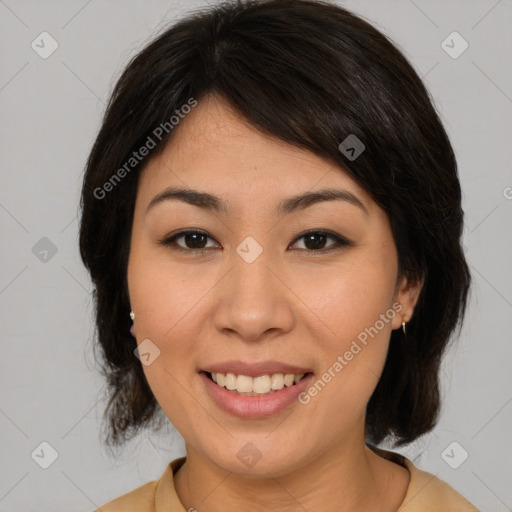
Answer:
(50, 113)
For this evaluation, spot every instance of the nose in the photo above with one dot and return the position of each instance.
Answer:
(253, 301)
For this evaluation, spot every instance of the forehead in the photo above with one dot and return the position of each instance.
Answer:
(217, 150)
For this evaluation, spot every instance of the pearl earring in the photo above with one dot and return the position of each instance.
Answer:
(403, 327)
(132, 327)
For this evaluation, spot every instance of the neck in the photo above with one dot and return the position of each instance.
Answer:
(346, 478)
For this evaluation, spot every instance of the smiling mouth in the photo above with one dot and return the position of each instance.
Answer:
(255, 386)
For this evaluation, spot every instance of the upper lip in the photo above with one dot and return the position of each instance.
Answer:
(255, 369)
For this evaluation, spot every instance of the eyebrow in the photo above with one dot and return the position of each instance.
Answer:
(213, 203)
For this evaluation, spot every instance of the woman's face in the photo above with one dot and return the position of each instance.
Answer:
(262, 298)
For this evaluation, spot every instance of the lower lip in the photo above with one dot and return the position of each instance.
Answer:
(252, 407)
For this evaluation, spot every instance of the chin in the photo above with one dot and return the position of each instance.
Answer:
(257, 456)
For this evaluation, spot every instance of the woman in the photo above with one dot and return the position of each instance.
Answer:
(274, 202)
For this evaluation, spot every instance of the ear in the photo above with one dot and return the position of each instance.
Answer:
(407, 294)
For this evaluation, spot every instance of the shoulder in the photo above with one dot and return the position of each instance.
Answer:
(141, 499)
(428, 493)
(155, 496)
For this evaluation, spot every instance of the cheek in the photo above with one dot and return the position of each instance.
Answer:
(356, 310)
(162, 293)
(349, 298)
(168, 301)
(164, 299)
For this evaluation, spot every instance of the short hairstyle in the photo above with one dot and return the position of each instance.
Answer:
(309, 73)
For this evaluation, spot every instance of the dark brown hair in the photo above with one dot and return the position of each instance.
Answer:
(309, 73)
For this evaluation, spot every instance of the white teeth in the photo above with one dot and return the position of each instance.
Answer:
(230, 381)
(277, 381)
(288, 379)
(261, 385)
(244, 384)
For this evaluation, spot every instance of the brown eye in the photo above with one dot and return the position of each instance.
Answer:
(193, 241)
(315, 241)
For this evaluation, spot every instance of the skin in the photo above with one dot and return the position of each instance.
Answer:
(291, 304)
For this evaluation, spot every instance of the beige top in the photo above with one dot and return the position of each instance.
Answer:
(426, 493)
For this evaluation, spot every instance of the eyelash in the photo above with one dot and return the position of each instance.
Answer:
(171, 241)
